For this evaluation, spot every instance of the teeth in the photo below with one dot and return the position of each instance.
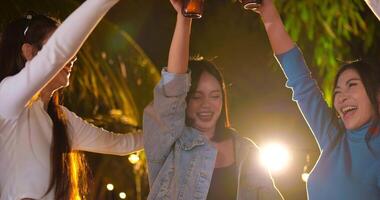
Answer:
(205, 114)
(348, 108)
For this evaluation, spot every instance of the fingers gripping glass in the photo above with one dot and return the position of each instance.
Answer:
(192, 8)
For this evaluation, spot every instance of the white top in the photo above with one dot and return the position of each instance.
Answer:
(25, 149)
(26, 132)
(375, 7)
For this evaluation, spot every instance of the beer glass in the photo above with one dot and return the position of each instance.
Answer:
(251, 4)
(192, 8)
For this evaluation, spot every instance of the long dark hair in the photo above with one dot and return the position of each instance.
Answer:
(369, 75)
(197, 68)
(68, 169)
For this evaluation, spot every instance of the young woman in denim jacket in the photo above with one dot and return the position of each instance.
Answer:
(349, 164)
(191, 150)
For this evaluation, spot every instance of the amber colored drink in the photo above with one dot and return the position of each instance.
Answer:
(192, 8)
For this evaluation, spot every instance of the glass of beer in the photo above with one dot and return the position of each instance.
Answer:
(251, 4)
(192, 8)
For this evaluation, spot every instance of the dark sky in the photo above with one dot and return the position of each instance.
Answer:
(260, 104)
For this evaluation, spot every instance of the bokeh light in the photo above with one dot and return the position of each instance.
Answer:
(109, 187)
(275, 157)
(122, 195)
(133, 158)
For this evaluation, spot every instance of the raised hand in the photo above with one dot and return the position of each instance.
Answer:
(177, 5)
(278, 37)
(267, 10)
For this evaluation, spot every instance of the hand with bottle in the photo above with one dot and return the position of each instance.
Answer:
(189, 8)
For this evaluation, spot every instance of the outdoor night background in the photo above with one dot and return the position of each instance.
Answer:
(120, 63)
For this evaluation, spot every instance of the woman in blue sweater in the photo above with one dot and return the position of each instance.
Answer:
(349, 164)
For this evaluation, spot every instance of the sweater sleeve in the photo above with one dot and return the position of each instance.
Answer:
(308, 96)
(61, 47)
(374, 5)
(164, 119)
(87, 137)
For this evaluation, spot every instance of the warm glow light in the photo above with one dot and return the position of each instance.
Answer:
(133, 158)
(109, 187)
(275, 157)
(122, 195)
(305, 176)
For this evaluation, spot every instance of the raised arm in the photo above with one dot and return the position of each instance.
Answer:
(278, 37)
(179, 48)
(164, 118)
(17, 90)
(87, 137)
(306, 92)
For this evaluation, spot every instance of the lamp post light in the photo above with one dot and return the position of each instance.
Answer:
(122, 195)
(110, 188)
(134, 159)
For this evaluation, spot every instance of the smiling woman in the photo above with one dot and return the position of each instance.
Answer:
(357, 94)
(192, 152)
(206, 101)
(348, 167)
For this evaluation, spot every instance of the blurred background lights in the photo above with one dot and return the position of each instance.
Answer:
(122, 195)
(109, 187)
(275, 157)
(133, 158)
(305, 176)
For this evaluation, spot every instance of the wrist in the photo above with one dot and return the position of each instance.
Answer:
(182, 19)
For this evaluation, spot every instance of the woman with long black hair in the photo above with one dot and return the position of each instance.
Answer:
(39, 138)
(347, 134)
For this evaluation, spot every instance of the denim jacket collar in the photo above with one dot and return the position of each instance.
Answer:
(191, 139)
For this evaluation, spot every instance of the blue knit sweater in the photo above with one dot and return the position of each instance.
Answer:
(349, 164)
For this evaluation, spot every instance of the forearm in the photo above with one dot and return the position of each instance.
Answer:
(279, 39)
(87, 137)
(179, 48)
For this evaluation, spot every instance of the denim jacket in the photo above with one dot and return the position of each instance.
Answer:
(181, 160)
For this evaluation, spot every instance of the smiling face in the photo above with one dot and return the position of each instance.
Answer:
(351, 100)
(205, 104)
